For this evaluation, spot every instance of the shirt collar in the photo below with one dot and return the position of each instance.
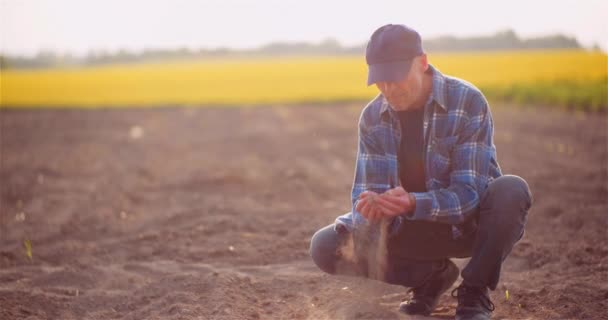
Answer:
(438, 93)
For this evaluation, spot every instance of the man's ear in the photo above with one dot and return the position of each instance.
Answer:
(424, 63)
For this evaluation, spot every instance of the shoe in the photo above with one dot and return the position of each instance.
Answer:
(427, 295)
(473, 303)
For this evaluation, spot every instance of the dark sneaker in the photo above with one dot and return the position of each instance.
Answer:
(426, 296)
(473, 303)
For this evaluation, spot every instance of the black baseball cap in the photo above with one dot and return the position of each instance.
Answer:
(390, 52)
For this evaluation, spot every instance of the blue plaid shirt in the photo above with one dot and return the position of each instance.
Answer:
(459, 153)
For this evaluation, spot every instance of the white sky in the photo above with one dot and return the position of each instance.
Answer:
(77, 26)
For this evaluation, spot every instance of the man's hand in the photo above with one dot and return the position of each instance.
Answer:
(367, 206)
(392, 203)
(396, 202)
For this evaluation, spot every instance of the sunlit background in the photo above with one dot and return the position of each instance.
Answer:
(173, 159)
(147, 53)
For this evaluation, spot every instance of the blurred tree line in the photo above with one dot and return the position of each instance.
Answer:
(504, 40)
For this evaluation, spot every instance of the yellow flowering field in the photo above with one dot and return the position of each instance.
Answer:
(566, 77)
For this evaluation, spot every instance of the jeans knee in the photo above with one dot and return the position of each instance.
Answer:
(323, 246)
(315, 251)
(509, 191)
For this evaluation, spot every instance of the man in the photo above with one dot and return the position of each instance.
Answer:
(426, 163)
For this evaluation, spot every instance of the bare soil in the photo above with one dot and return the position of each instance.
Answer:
(207, 213)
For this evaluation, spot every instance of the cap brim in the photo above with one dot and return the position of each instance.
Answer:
(388, 72)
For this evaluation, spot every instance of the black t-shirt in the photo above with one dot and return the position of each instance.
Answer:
(411, 156)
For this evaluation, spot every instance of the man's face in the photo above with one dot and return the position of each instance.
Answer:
(405, 94)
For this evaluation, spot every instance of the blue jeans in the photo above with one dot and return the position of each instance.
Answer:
(419, 248)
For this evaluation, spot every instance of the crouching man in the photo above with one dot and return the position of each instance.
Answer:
(427, 173)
